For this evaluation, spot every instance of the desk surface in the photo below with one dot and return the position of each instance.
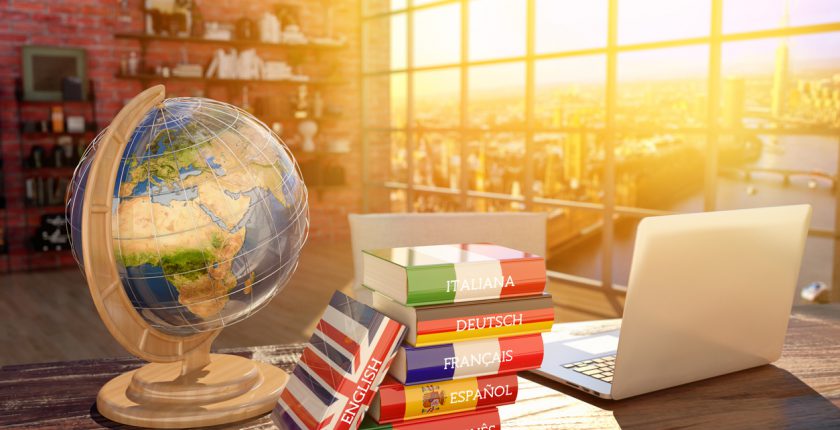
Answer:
(801, 390)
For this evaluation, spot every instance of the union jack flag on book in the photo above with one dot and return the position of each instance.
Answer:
(340, 369)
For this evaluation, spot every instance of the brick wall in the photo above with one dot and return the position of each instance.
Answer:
(91, 24)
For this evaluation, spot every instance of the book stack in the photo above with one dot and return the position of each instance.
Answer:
(474, 314)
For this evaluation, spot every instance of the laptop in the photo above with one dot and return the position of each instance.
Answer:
(709, 294)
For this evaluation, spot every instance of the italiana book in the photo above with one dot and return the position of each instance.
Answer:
(442, 324)
(467, 359)
(485, 419)
(340, 369)
(395, 402)
(425, 275)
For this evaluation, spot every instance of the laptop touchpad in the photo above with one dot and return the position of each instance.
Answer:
(595, 344)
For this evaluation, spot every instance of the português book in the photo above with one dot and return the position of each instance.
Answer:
(485, 419)
(436, 274)
(395, 402)
(340, 370)
(441, 324)
(467, 359)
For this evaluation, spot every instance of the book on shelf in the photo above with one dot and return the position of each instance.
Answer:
(341, 367)
(442, 324)
(437, 274)
(395, 402)
(484, 419)
(467, 359)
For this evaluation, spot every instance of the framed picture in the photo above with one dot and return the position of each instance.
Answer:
(45, 69)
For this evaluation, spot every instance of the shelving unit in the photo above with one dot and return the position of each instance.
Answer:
(21, 234)
(314, 164)
(235, 43)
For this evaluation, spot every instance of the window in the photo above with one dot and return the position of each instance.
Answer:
(603, 112)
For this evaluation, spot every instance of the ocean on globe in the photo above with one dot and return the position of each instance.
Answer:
(209, 215)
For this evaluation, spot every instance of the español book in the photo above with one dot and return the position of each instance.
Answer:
(437, 274)
(467, 359)
(340, 369)
(395, 402)
(442, 324)
(485, 419)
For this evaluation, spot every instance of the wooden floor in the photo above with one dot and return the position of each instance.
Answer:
(49, 316)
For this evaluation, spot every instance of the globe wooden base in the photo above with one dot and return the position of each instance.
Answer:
(229, 389)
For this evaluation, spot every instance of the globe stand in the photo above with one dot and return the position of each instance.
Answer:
(184, 385)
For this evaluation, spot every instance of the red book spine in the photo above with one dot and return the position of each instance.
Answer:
(487, 419)
(528, 276)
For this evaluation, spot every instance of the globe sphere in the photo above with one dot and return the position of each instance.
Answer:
(208, 219)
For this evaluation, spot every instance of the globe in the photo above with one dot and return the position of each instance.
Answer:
(208, 218)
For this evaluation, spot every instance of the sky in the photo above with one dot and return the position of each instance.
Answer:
(497, 30)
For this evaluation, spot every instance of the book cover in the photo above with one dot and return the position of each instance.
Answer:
(340, 369)
(395, 402)
(467, 359)
(425, 275)
(484, 419)
(442, 324)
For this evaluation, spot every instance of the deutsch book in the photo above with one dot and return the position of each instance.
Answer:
(442, 324)
(486, 419)
(425, 275)
(340, 370)
(395, 402)
(467, 359)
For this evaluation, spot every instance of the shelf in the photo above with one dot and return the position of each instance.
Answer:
(145, 38)
(44, 134)
(49, 171)
(216, 81)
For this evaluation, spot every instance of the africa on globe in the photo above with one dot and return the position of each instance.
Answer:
(209, 214)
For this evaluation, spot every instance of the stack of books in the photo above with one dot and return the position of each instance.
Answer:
(474, 314)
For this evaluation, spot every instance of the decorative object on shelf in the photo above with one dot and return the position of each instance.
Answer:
(249, 65)
(63, 154)
(168, 306)
(277, 128)
(301, 103)
(52, 233)
(133, 63)
(57, 119)
(270, 30)
(217, 31)
(72, 88)
(246, 29)
(187, 71)
(44, 70)
(277, 71)
(223, 65)
(317, 105)
(37, 157)
(75, 124)
(293, 36)
(169, 17)
(197, 29)
(307, 130)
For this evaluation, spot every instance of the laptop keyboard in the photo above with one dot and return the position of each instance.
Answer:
(598, 368)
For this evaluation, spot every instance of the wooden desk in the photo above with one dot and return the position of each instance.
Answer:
(802, 390)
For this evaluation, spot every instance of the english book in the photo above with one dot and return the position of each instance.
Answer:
(467, 359)
(442, 324)
(439, 274)
(395, 402)
(486, 419)
(340, 370)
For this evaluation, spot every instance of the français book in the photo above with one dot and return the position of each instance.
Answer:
(438, 274)
(395, 402)
(467, 359)
(486, 419)
(340, 370)
(442, 324)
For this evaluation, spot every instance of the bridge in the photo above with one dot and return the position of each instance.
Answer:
(747, 173)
